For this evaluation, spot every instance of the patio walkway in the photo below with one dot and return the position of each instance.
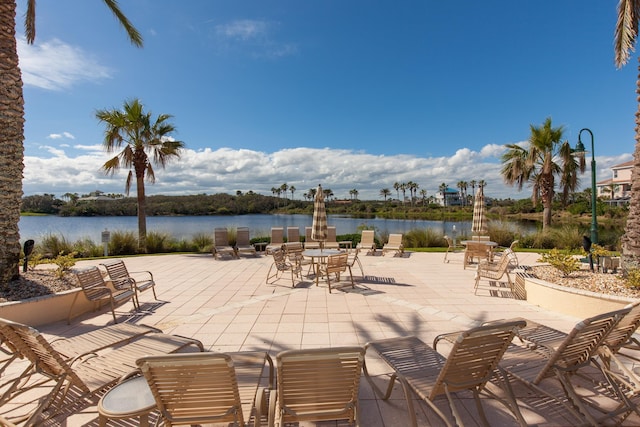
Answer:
(227, 305)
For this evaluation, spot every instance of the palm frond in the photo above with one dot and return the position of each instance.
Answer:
(134, 35)
(626, 32)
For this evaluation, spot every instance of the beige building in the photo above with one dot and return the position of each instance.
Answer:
(619, 184)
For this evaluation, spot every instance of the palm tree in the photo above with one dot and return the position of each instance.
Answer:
(626, 35)
(423, 196)
(293, 190)
(12, 128)
(143, 143)
(545, 158)
(443, 189)
(613, 187)
(473, 184)
(283, 189)
(461, 185)
(396, 186)
(385, 192)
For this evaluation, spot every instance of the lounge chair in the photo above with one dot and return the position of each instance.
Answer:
(293, 234)
(470, 365)
(560, 356)
(208, 387)
(309, 243)
(336, 264)
(243, 242)
(122, 279)
(476, 249)
(394, 244)
(221, 246)
(317, 385)
(277, 239)
(494, 272)
(88, 373)
(367, 242)
(282, 266)
(331, 242)
(96, 290)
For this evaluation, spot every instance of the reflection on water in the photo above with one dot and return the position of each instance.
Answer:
(184, 227)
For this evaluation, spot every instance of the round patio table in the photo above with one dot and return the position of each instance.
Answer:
(320, 254)
(130, 398)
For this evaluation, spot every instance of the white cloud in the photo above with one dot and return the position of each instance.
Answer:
(55, 65)
(255, 35)
(243, 29)
(66, 135)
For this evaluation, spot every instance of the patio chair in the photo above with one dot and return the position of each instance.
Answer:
(367, 242)
(472, 362)
(309, 243)
(208, 387)
(394, 244)
(336, 264)
(317, 385)
(353, 259)
(282, 266)
(494, 272)
(87, 373)
(221, 246)
(277, 239)
(450, 248)
(293, 253)
(243, 242)
(331, 242)
(476, 249)
(552, 355)
(293, 234)
(96, 290)
(122, 279)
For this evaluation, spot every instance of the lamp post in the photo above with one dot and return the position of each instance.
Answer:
(581, 151)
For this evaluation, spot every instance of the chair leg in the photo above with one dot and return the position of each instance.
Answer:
(360, 265)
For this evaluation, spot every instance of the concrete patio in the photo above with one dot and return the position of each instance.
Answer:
(227, 305)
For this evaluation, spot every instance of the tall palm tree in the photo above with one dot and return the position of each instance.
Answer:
(396, 186)
(12, 128)
(385, 192)
(143, 142)
(293, 190)
(540, 162)
(626, 35)
(443, 190)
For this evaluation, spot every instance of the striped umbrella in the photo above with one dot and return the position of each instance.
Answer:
(319, 225)
(479, 225)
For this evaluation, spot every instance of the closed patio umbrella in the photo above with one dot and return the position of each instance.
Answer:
(479, 225)
(319, 225)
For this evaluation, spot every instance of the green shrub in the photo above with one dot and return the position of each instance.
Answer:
(64, 263)
(158, 243)
(123, 243)
(86, 248)
(53, 244)
(633, 278)
(563, 261)
(203, 242)
(566, 237)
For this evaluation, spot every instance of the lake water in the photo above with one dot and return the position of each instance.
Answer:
(184, 227)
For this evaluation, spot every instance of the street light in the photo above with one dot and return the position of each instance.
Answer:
(581, 151)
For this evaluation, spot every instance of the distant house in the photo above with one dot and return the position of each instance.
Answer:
(452, 197)
(620, 183)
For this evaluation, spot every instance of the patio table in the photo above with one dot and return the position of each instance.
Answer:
(320, 254)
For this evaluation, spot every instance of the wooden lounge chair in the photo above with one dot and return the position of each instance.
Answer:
(494, 272)
(317, 385)
(471, 363)
(309, 243)
(121, 278)
(394, 244)
(476, 249)
(281, 266)
(550, 356)
(367, 242)
(208, 387)
(293, 234)
(336, 264)
(243, 242)
(277, 239)
(88, 373)
(96, 290)
(331, 242)
(221, 246)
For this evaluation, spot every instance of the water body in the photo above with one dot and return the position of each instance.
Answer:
(184, 227)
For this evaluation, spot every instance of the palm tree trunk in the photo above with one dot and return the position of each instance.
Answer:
(142, 215)
(11, 147)
(631, 238)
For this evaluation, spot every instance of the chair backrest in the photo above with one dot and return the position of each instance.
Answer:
(280, 260)
(507, 259)
(367, 238)
(581, 343)
(194, 388)
(319, 384)
(395, 240)
(220, 237)
(242, 236)
(331, 234)
(481, 238)
(307, 234)
(277, 235)
(293, 234)
(623, 331)
(513, 244)
(477, 249)
(117, 271)
(337, 263)
(474, 357)
(293, 248)
(352, 257)
(92, 283)
(449, 241)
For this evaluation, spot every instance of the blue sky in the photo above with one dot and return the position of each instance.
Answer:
(348, 93)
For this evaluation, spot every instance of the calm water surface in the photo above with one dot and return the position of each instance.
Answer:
(184, 227)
